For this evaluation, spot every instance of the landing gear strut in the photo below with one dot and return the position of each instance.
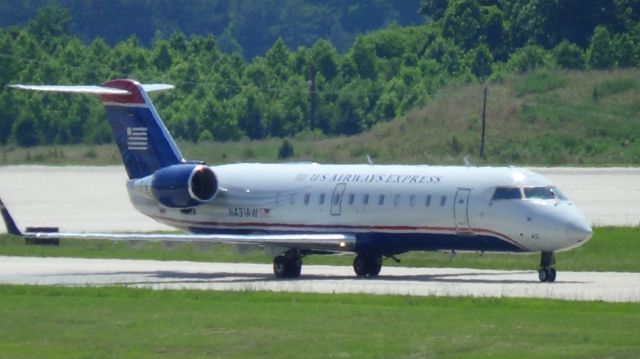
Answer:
(367, 265)
(288, 264)
(547, 273)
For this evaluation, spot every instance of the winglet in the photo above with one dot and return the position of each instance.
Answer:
(8, 220)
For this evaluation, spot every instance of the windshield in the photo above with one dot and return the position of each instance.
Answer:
(561, 196)
(539, 193)
(549, 192)
(507, 193)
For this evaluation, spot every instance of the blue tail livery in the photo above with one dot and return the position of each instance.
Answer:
(142, 138)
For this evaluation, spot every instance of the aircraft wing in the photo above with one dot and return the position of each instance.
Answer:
(315, 241)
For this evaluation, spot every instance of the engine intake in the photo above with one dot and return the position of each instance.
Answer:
(184, 185)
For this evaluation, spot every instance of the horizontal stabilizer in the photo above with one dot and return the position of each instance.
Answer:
(157, 87)
(94, 90)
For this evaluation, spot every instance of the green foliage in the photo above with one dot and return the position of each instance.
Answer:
(530, 58)
(249, 26)
(434, 9)
(569, 56)
(600, 54)
(51, 21)
(480, 62)
(24, 132)
(286, 150)
(343, 84)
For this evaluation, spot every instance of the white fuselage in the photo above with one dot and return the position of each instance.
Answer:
(391, 209)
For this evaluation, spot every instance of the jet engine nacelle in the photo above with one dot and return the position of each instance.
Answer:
(184, 185)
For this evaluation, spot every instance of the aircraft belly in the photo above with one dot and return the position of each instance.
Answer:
(395, 243)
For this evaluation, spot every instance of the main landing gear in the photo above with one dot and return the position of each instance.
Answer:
(547, 273)
(288, 264)
(367, 265)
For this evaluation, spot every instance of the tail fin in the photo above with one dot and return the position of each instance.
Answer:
(142, 138)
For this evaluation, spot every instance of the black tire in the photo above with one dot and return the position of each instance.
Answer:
(280, 266)
(287, 267)
(367, 265)
(360, 265)
(375, 265)
(542, 275)
(295, 267)
(547, 275)
(551, 275)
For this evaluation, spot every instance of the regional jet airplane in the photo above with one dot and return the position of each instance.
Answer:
(299, 209)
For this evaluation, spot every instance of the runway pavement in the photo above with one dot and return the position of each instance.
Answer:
(94, 199)
(583, 286)
(84, 198)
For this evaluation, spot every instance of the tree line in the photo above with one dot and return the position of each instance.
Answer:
(317, 89)
(247, 26)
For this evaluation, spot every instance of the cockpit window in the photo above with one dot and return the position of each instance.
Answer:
(507, 193)
(559, 195)
(539, 193)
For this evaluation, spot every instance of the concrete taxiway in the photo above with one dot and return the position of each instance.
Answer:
(84, 198)
(583, 286)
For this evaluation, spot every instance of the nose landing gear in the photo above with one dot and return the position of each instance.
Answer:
(547, 273)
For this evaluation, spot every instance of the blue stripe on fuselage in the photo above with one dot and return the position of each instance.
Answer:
(396, 243)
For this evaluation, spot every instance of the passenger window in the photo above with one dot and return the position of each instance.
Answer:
(365, 199)
(381, 200)
(539, 193)
(507, 193)
(443, 201)
(307, 197)
(321, 199)
(412, 200)
(352, 198)
(336, 199)
(427, 201)
(396, 200)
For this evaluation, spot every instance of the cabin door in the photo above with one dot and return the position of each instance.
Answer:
(461, 210)
(336, 199)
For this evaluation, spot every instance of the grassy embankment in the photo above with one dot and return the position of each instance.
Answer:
(44, 322)
(611, 249)
(543, 118)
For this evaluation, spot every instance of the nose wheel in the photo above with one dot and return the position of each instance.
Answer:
(547, 273)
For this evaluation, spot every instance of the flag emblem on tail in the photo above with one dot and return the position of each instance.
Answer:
(137, 138)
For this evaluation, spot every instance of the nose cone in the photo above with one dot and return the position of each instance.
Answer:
(578, 231)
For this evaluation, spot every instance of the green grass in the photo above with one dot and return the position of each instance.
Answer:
(611, 249)
(44, 322)
(541, 82)
(542, 118)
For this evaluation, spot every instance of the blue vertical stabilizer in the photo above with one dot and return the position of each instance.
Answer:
(143, 140)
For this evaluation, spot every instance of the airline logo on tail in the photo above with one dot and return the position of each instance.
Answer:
(137, 138)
